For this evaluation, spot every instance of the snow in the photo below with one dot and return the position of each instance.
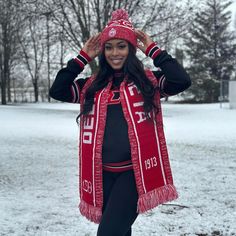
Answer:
(38, 172)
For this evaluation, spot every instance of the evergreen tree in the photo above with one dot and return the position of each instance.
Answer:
(211, 50)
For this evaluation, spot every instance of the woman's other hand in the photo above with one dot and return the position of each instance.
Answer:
(144, 40)
(92, 46)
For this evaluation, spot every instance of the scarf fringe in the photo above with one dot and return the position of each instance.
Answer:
(156, 197)
(92, 213)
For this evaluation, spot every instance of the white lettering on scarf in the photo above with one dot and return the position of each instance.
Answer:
(142, 116)
(150, 163)
(133, 88)
(88, 126)
(87, 186)
(88, 123)
(87, 137)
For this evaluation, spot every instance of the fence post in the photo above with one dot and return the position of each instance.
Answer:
(232, 94)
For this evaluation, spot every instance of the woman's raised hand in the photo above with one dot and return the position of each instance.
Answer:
(92, 46)
(144, 40)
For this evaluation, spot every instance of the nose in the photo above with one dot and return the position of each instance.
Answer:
(115, 51)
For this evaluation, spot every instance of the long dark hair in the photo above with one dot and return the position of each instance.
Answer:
(134, 69)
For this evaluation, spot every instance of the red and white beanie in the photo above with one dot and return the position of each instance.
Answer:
(119, 27)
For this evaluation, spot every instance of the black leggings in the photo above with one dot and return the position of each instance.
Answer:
(120, 204)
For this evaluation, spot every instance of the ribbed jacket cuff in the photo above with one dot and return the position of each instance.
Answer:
(153, 50)
(82, 59)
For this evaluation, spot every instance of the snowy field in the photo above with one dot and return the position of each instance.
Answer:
(38, 172)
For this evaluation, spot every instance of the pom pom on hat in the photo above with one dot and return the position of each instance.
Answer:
(120, 14)
(119, 27)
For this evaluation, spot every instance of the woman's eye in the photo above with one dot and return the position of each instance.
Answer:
(107, 47)
(122, 46)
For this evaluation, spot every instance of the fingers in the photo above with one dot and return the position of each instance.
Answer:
(94, 40)
(144, 40)
(141, 35)
(141, 46)
(92, 46)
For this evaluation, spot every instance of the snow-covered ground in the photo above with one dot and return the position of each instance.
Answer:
(38, 172)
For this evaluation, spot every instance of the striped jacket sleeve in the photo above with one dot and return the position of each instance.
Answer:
(65, 87)
(172, 77)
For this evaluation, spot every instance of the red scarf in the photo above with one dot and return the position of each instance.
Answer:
(148, 150)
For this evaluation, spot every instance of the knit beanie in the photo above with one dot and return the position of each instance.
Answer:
(119, 27)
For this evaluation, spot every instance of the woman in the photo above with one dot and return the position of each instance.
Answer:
(124, 165)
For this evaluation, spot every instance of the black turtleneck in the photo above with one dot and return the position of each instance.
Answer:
(116, 147)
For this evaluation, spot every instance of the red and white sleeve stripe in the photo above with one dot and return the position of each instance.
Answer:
(75, 91)
(162, 86)
(153, 50)
(82, 59)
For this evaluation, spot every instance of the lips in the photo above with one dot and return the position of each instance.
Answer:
(116, 60)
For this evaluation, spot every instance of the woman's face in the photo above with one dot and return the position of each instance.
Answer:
(116, 52)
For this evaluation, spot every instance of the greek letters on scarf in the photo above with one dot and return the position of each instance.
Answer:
(148, 150)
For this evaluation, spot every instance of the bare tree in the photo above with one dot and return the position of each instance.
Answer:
(47, 39)
(62, 44)
(33, 47)
(9, 45)
(7, 30)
